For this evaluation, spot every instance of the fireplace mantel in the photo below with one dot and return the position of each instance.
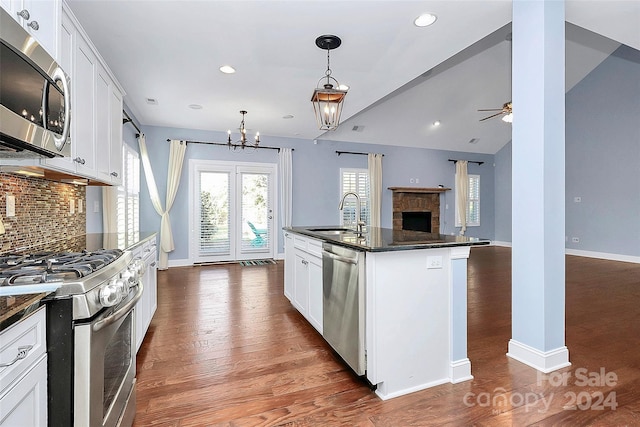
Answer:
(418, 190)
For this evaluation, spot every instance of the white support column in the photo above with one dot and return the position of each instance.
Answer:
(538, 163)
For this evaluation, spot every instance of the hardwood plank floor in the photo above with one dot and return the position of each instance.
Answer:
(226, 348)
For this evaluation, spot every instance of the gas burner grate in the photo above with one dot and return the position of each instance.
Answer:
(46, 267)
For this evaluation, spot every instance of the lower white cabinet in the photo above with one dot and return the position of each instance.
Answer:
(23, 382)
(146, 307)
(303, 276)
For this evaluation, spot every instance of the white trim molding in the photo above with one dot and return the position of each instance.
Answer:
(543, 361)
(604, 255)
(499, 243)
(460, 370)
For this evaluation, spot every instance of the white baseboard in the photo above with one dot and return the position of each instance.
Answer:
(543, 361)
(382, 394)
(604, 255)
(587, 254)
(180, 263)
(460, 370)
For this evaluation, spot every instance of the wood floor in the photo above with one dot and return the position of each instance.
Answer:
(227, 348)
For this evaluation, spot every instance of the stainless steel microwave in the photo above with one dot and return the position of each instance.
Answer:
(35, 109)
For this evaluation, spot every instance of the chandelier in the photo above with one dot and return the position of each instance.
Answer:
(327, 101)
(243, 135)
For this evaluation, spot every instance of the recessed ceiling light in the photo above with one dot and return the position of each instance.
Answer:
(288, 116)
(227, 69)
(195, 106)
(436, 123)
(425, 20)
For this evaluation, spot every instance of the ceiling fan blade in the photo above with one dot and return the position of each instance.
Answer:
(494, 115)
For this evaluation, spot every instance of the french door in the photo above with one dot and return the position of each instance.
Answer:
(231, 211)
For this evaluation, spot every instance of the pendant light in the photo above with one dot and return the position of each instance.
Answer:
(243, 135)
(328, 98)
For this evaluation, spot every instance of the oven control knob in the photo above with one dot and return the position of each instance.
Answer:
(130, 277)
(112, 293)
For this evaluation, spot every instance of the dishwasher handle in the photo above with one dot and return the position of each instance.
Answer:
(337, 257)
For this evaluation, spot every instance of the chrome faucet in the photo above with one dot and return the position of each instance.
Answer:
(359, 223)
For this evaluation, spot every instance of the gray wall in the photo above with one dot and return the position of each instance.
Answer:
(602, 161)
(603, 157)
(316, 168)
(503, 194)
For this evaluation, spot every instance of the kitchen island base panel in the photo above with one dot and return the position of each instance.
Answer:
(409, 321)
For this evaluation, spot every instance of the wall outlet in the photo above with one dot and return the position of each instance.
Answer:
(72, 207)
(575, 239)
(417, 180)
(434, 262)
(411, 180)
(79, 205)
(11, 205)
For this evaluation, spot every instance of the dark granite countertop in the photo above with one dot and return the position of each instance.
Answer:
(385, 239)
(15, 308)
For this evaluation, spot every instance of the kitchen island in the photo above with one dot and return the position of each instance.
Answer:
(414, 301)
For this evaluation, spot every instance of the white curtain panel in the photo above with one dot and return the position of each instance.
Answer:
(462, 194)
(375, 187)
(176, 159)
(286, 185)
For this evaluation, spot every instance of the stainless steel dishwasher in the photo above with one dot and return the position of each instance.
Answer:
(343, 303)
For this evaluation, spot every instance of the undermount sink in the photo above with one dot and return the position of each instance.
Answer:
(332, 231)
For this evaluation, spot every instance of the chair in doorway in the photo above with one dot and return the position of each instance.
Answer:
(260, 235)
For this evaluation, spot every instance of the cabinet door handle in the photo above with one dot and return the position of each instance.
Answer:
(22, 353)
(24, 14)
(79, 160)
(34, 25)
(114, 174)
(305, 262)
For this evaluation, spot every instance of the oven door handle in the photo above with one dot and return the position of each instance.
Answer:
(120, 313)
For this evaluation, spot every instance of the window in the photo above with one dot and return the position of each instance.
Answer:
(473, 203)
(357, 181)
(128, 204)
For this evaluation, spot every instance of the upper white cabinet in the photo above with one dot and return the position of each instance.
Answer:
(96, 106)
(39, 17)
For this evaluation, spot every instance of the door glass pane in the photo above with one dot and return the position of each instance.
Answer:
(214, 213)
(255, 212)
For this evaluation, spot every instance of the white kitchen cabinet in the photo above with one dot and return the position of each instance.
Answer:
(40, 18)
(306, 280)
(96, 106)
(23, 384)
(146, 307)
(289, 262)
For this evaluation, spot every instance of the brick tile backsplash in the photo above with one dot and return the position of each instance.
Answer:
(42, 211)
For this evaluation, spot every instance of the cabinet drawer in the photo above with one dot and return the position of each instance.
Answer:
(300, 242)
(314, 247)
(27, 337)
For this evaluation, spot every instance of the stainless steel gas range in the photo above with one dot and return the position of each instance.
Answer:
(90, 331)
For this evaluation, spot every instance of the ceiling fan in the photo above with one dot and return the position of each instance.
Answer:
(507, 110)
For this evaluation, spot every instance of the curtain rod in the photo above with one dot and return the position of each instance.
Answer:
(129, 120)
(352, 152)
(468, 161)
(224, 144)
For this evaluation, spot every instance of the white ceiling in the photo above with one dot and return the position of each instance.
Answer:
(401, 77)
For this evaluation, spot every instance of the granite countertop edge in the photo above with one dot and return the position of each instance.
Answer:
(363, 245)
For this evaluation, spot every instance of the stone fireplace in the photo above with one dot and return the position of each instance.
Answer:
(416, 208)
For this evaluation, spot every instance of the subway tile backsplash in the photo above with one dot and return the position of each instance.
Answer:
(42, 211)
